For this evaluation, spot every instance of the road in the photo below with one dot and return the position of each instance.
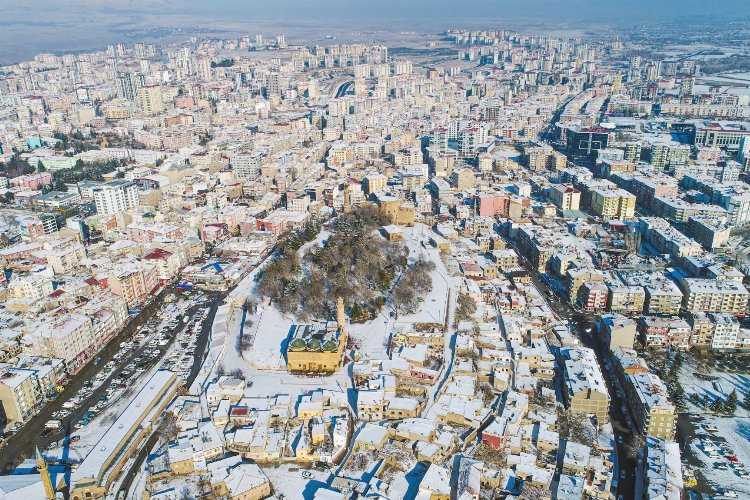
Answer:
(21, 444)
(620, 421)
(547, 134)
(342, 89)
(200, 352)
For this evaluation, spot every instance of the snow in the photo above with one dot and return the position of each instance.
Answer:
(735, 430)
(288, 482)
(372, 336)
(263, 362)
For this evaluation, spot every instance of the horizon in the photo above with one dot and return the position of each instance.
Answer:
(72, 26)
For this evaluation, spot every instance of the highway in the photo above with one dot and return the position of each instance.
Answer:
(342, 88)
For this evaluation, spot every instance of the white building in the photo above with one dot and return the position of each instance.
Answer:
(115, 197)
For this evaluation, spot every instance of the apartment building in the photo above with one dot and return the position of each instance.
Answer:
(150, 99)
(668, 240)
(711, 232)
(661, 331)
(725, 331)
(612, 203)
(116, 196)
(20, 394)
(659, 471)
(576, 278)
(586, 392)
(647, 395)
(710, 295)
(133, 281)
(663, 297)
(629, 299)
(618, 330)
(565, 197)
(69, 337)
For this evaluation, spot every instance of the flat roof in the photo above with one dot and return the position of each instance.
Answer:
(122, 429)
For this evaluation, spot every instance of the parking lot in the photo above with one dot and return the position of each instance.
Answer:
(167, 332)
(717, 449)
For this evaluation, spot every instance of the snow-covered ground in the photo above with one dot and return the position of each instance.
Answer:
(264, 366)
(269, 329)
(292, 482)
(372, 336)
(732, 430)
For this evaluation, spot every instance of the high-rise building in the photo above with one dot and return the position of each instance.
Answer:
(150, 99)
(115, 197)
(128, 85)
(743, 154)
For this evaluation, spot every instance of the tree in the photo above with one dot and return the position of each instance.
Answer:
(414, 283)
(717, 405)
(8, 197)
(353, 262)
(746, 403)
(730, 405)
(167, 427)
(466, 306)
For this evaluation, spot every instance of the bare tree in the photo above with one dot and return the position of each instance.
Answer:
(167, 427)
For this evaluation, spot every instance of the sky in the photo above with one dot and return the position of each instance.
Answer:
(364, 10)
(28, 27)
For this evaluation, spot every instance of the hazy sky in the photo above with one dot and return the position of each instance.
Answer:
(610, 10)
(28, 27)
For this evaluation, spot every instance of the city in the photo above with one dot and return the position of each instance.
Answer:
(466, 263)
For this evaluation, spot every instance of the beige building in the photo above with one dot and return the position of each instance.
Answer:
(134, 282)
(374, 183)
(663, 297)
(462, 179)
(565, 197)
(150, 99)
(613, 204)
(711, 295)
(20, 394)
(626, 298)
(586, 392)
(647, 397)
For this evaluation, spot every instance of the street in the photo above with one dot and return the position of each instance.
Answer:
(620, 422)
(116, 374)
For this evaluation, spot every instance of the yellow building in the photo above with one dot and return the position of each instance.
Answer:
(586, 391)
(20, 394)
(318, 348)
(396, 211)
(613, 203)
(647, 396)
